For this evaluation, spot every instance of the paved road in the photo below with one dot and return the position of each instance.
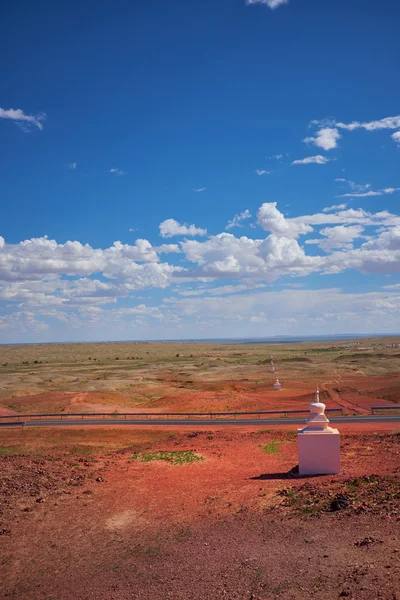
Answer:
(199, 422)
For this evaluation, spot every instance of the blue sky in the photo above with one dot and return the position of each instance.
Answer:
(189, 170)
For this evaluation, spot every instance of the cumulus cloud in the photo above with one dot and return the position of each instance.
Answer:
(237, 220)
(171, 228)
(387, 240)
(326, 138)
(225, 255)
(262, 172)
(270, 3)
(26, 122)
(396, 137)
(340, 236)
(312, 160)
(75, 284)
(272, 220)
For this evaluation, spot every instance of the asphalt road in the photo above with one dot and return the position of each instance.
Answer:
(197, 422)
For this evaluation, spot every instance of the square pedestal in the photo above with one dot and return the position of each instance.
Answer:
(319, 453)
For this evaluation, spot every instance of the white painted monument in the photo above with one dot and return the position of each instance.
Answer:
(318, 444)
(277, 385)
(272, 366)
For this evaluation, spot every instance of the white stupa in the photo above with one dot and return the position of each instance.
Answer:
(318, 444)
(272, 366)
(277, 385)
(317, 419)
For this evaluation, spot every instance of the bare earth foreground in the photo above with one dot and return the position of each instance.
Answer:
(184, 514)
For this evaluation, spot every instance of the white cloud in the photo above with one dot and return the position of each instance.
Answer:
(222, 290)
(355, 187)
(369, 193)
(386, 123)
(395, 286)
(380, 124)
(270, 3)
(272, 220)
(262, 172)
(347, 217)
(237, 219)
(276, 157)
(72, 165)
(168, 249)
(117, 171)
(326, 138)
(224, 255)
(288, 311)
(337, 237)
(316, 160)
(387, 240)
(75, 284)
(170, 228)
(396, 137)
(26, 122)
(334, 207)
(203, 189)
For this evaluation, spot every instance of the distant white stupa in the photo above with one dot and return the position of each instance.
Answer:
(272, 365)
(277, 385)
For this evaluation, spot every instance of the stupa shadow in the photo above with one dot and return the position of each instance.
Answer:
(293, 473)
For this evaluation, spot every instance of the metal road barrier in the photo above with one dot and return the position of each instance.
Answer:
(374, 409)
(149, 415)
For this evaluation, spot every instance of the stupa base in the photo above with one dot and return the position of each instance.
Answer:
(319, 452)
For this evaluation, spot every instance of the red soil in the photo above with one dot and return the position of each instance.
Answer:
(111, 527)
(355, 395)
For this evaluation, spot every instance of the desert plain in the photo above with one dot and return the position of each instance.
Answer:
(196, 513)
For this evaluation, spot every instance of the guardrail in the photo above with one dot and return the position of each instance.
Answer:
(376, 408)
(210, 414)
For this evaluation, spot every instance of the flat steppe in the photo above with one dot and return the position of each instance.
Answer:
(121, 513)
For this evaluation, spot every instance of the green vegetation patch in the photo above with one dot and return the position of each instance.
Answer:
(179, 457)
(272, 447)
(9, 450)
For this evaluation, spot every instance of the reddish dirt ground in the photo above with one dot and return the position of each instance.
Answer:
(235, 525)
(355, 395)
